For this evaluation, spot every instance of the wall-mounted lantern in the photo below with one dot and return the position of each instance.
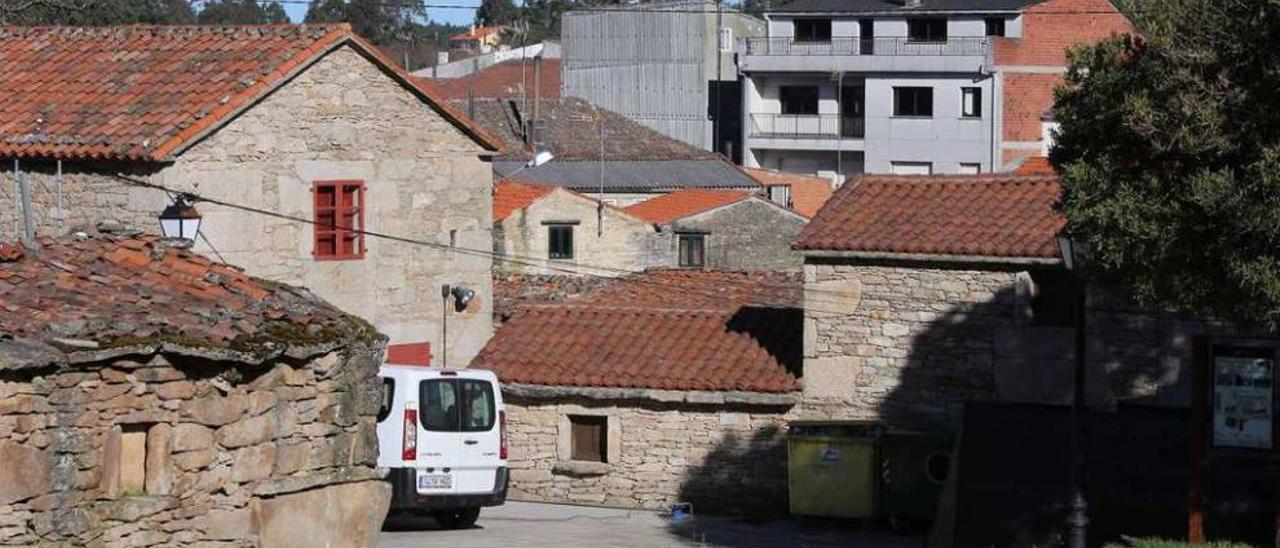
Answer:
(180, 221)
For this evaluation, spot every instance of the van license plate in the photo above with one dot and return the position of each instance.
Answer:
(435, 481)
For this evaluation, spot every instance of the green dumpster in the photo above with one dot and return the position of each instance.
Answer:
(832, 468)
(914, 465)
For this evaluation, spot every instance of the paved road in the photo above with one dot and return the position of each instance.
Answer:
(524, 524)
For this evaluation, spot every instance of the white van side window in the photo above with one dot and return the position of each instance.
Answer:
(388, 396)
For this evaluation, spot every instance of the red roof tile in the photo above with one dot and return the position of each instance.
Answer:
(992, 215)
(509, 196)
(808, 193)
(502, 81)
(143, 93)
(118, 290)
(476, 33)
(668, 330)
(1035, 165)
(683, 203)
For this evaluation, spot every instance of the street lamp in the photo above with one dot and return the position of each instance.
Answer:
(1074, 254)
(461, 296)
(180, 221)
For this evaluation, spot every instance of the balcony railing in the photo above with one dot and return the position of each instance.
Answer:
(872, 46)
(807, 126)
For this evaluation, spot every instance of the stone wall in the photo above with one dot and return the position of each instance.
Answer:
(749, 235)
(720, 457)
(624, 244)
(910, 343)
(341, 119)
(178, 451)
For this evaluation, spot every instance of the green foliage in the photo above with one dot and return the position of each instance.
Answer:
(96, 12)
(377, 20)
(241, 12)
(1170, 155)
(496, 12)
(1130, 542)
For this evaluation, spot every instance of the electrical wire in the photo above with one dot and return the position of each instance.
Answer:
(579, 269)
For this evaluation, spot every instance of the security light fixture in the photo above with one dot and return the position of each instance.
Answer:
(180, 221)
(1074, 252)
(540, 158)
(462, 297)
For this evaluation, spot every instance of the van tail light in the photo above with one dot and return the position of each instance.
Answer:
(409, 450)
(502, 435)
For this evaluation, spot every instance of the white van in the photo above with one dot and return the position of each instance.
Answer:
(443, 435)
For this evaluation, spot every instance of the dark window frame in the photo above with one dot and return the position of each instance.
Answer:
(796, 101)
(927, 30)
(977, 102)
(561, 247)
(816, 30)
(684, 250)
(585, 447)
(338, 209)
(907, 102)
(995, 26)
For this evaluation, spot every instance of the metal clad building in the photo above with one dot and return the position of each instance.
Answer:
(656, 64)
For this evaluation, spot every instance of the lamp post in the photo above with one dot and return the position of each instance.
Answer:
(1073, 255)
(180, 221)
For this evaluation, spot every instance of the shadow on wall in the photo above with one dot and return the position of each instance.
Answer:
(745, 474)
(780, 331)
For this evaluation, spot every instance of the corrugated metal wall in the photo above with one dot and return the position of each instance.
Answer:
(648, 66)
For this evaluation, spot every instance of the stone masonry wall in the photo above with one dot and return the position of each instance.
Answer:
(721, 458)
(625, 243)
(176, 451)
(909, 344)
(341, 119)
(749, 235)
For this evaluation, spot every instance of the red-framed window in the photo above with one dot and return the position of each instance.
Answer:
(339, 215)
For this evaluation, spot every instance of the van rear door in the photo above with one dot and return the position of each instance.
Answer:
(440, 446)
(480, 436)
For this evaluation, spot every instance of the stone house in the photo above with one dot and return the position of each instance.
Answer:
(301, 138)
(597, 152)
(804, 193)
(971, 303)
(673, 385)
(553, 230)
(724, 229)
(150, 396)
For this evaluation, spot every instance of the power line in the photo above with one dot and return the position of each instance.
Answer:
(515, 259)
(633, 9)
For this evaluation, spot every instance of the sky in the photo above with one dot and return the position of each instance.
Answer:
(297, 11)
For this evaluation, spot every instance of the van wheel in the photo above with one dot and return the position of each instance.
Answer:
(461, 518)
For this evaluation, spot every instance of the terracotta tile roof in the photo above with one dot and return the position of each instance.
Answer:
(990, 215)
(572, 132)
(144, 93)
(509, 196)
(98, 290)
(684, 202)
(502, 81)
(808, 193)
(666, 330)
(476, 33)
(1035, 165)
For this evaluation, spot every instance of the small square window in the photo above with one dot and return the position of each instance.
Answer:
(971, 102)
(589, 438)
(995, 26)
(339, 220)
(913, 101)
(931, 29)
(970, 169)
(560, 241)
(692, 250)
(911, 168)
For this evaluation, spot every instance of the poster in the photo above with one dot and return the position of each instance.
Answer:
(1243, 397)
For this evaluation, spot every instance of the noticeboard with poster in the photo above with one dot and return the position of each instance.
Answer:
(1244, 397)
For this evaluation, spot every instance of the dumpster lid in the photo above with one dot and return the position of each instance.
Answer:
(836, 428)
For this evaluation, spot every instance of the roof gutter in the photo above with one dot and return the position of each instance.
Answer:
(930, 257)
